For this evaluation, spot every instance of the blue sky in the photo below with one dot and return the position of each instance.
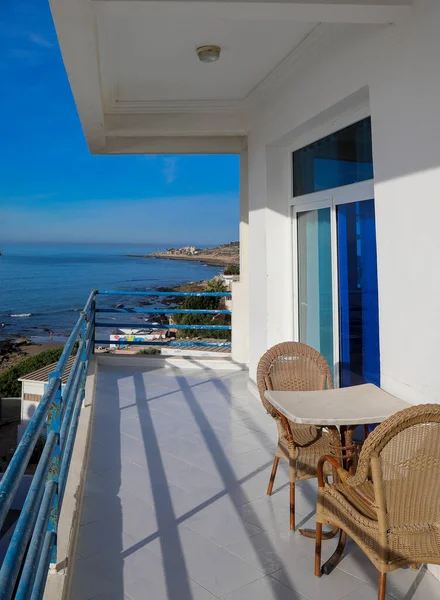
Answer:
(53, 189)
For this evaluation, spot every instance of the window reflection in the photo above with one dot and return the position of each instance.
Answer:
(342, 158)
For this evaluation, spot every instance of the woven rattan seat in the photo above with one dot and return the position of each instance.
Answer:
(292, 366)
(391, 505)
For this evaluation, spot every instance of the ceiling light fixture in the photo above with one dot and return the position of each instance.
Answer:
(208, 54)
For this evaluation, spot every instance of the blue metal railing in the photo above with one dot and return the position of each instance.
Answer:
(124, 341)
(32, 547)
(33, 543)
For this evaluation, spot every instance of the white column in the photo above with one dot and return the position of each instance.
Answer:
(278, 246)
(240, 289)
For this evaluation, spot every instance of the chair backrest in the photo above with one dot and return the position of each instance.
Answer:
(292, 366)
(406, 451)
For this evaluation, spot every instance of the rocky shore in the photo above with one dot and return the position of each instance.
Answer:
(14, 351)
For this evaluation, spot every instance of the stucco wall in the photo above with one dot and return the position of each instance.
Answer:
(397, 69)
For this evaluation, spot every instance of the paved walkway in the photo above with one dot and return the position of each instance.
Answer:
(175, 505)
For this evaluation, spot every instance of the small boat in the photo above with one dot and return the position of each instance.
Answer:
(1, 253)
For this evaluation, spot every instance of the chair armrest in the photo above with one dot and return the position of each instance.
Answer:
(322, 478)
(344, 476)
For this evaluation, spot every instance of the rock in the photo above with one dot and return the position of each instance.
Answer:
(23, 342)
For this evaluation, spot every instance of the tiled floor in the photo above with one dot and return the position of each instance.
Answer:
(175, 505)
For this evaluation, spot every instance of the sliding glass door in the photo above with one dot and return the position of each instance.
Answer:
(336, 283)
(334, 232)
(315, 281)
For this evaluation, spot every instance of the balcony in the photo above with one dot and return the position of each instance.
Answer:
(174, 500)
(162, 483)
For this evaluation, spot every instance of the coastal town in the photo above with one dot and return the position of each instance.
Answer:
(223, 255)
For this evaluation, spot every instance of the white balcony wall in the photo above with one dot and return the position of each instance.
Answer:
(392, 72)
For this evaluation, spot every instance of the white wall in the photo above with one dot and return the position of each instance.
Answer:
(398, 68)
(28, 407)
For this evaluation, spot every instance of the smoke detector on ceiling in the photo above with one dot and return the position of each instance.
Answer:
(208, 54)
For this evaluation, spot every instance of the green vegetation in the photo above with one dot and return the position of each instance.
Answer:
(232, 270)
(150, 350)
(205, 303)
(10, 387)
(216, 285)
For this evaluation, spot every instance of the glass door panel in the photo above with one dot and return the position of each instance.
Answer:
(315, 281)
(358, 294)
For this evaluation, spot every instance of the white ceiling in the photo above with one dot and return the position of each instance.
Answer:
(147, 57)
(139, 87)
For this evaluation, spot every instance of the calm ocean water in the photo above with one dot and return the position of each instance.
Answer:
(51, 283)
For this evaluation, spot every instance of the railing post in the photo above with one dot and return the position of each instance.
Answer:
(93, 320)
(54, 423)
(84, 351)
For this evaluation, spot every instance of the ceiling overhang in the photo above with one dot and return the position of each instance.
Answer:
(93, 41)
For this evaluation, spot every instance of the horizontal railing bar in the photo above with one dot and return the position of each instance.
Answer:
(43, 566)
(172, 294)
(159, 326)
(161, 343)
(12, 477)
(36, 544)
(26, 522)
(164, 311)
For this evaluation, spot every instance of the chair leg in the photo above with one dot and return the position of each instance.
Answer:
(292, 506)
(382, 586)
(276, 460)
(334, 559)
(318, 549)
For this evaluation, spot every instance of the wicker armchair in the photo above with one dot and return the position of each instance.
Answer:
(391, 505)
(294, 366)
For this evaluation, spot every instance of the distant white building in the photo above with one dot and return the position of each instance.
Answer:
(32, 390)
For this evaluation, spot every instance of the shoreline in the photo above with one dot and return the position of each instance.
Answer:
(22, 349)
(208, 260)
(17, 348)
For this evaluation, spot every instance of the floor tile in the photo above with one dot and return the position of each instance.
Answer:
(366, 592)
(205, 562)
(354, 562)
(94, 537)
(221, 522)
(300, 578)
(114, 595)
(160, 586)
(87, 583)
(412, 584)
(175, 504)
(266, 588)
(266, 551)
(268, 514)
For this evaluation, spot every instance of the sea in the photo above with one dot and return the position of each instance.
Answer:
(43, 287)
